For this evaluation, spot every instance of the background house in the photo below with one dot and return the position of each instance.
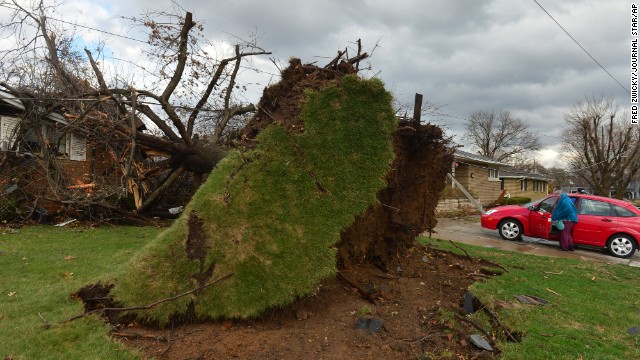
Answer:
(479, 175)
(519, 183)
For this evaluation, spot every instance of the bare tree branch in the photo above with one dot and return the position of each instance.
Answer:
(499, 135)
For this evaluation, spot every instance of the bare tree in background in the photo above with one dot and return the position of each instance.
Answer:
(602, 148)
(499, 135)
(192, 90)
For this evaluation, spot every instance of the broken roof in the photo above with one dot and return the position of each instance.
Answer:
(14, 102)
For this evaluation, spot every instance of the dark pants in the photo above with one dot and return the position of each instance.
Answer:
(566, 236)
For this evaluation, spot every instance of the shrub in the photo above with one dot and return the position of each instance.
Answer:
(515, 200)
(8, 210)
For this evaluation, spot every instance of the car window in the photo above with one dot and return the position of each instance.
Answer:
(548, 204)
(594, 207)
(622, 212)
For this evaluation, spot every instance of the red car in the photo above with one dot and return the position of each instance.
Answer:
(602, 222)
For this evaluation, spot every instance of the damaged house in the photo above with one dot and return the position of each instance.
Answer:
(49, 161)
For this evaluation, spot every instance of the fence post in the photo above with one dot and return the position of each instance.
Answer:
(417, 107)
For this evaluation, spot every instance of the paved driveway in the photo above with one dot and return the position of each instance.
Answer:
(468, 230)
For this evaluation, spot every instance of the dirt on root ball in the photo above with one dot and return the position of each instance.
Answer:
(408, 317)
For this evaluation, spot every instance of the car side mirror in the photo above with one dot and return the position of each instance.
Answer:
(531, 207)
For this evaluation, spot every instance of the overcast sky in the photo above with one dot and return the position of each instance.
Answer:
(464, 55)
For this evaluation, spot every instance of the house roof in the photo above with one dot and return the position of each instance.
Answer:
(513, 173)
(459, 154)
(16, 103)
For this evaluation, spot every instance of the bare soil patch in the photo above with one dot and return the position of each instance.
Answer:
(413, 302)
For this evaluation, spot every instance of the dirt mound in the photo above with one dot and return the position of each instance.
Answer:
(407, 206)
(410, 308)
(282, 103)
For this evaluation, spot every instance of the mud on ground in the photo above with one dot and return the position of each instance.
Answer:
(414, 303)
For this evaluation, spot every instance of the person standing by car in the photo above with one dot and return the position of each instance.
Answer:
(565, 211)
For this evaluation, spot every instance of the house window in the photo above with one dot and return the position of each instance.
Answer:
(77, 148)
(535, 185)
(523, 185)
(493, 173)
(501, 184)
(58, 141)
(8, 128)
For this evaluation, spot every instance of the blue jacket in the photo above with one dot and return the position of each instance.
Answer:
(564, 210)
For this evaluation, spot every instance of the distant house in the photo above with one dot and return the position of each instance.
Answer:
(479, 175)
(633, 190)
(519, 183)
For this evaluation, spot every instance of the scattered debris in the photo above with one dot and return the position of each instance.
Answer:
(65, 223)
(69, 257)
(553, 272)
(633, 330)
(553, 292)
(11, 189)
(176, 210)
(531, 300)
(228, 324)
(139, 336)
(479, 341)
(372, 325)
(468, 303)
(302, 314)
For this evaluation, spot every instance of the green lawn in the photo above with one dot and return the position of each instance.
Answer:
(592, 305)
(39, 267)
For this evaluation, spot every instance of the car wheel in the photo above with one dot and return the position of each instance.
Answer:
(622, 246)
(510, 229)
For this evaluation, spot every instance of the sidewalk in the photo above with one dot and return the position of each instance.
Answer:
(468, 231)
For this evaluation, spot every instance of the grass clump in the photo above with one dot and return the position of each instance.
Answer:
(272, 216)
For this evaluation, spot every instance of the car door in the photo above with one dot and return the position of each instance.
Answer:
(595, 221)
(540, 218)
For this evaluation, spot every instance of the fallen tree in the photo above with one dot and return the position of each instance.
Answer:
(190, 104)
(314, 166)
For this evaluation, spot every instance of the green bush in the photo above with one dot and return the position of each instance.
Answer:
(271, 216)
(8, 210)
(515, 200)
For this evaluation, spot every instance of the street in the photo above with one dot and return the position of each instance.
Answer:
(468, 230)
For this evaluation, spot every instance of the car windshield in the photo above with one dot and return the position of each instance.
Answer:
(534, 202)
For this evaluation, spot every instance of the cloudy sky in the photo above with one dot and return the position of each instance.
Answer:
(463, 55)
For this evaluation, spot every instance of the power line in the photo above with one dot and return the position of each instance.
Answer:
(581, 47)
(204, 109)
(98, 30)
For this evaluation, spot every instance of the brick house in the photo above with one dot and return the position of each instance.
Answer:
(519, 183)
(479, 175)
(78, 161)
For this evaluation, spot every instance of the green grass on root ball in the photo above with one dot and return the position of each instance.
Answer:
(274, 220)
